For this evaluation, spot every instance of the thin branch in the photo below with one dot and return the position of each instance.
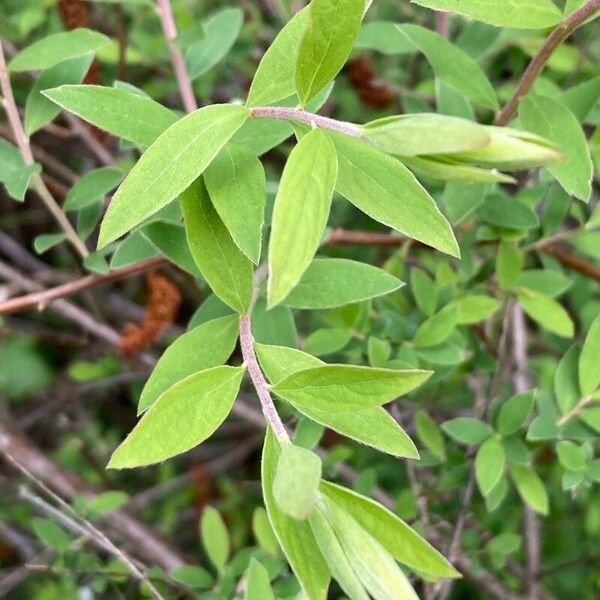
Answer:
(25, 149)
(537, 64)
(297, 114)
(170, 30)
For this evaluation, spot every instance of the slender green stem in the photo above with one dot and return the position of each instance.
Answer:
(574, 411)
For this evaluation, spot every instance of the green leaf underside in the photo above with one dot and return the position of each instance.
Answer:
(184, 415)
(373, 426)
(427, 133)
(525, 14)
(169, 166)
(203, 347)
(228, 272)
(125, 114)
(327, 41)
(56, 48)
(296, 482)
(294, 537)
(274, 79)
(331, 282)
(235, 181)
(398, 538)
(452, 65)
(301, 211)
(347, 388)
(550, 119)
(388, 192)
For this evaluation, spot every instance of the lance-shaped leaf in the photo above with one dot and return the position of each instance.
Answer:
(170, 239)
(274, 79)
(447, 168)
(227, 271)
(92, 186)
(14, 173)
(547, 312)
(489, 465)
(347, 388)
(514, 413)
(331, 282)
(258, 585)
(56, 48)
(122, 113)
(427, 133)
(452, 65)
(294, 537)
(235, 181)
(203, 347)
(372, 426)
(39, 109)
(301, 211)
(550, 119)
(388, 192)
(589, 373)
(169, 166)
(530, 487)
(521, 14)
(296, 482)
(398, 538)
(372, 563)
(184, 416)
(328, 39)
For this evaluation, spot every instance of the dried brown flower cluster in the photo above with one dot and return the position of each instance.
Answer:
(163, 303)
(363, 78)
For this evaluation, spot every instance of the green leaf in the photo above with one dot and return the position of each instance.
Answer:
(591, 417)
(123, 113)
(347, 388)
(39, 110)
(388, 192)
(552, 120)
(258, 586)
(547, 312)
(426, 133)
(452, 65)
(571, 456)
(589, 372)
(301, 212)
(92, 186)
(378, 351)
(56, 48)
(545, 281)
(521, 14)
(334, 556)
(331, 282)
(400, 540)
(326, 341)
(514, 413)
(106, 502)
(275, 326)
(263, 532)
(566, 387)
(489, 465)
(530, 488)
(219, 34)
(509, 262)
(235, 181)
(171, 240)
(467, 430)
(370, 561)
(42, 243)
(274, 79)
(295, 537)
(430, 435)
(423, 289)
(51, 534)
(215, 537)
(296, 482)
(475, 308)
(169, 166)
(203, 347)
(192, 576)
(374, 426)
(184, 415)
(437, 328)
(383, 37)
(227, 271)
(507, 212)
(14, 173)
(327, 41)
(447, 168)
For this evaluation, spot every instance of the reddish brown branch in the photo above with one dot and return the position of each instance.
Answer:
(572, 262)
(537, 64)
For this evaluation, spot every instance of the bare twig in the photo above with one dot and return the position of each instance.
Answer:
(170, 30)
(555, 39)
